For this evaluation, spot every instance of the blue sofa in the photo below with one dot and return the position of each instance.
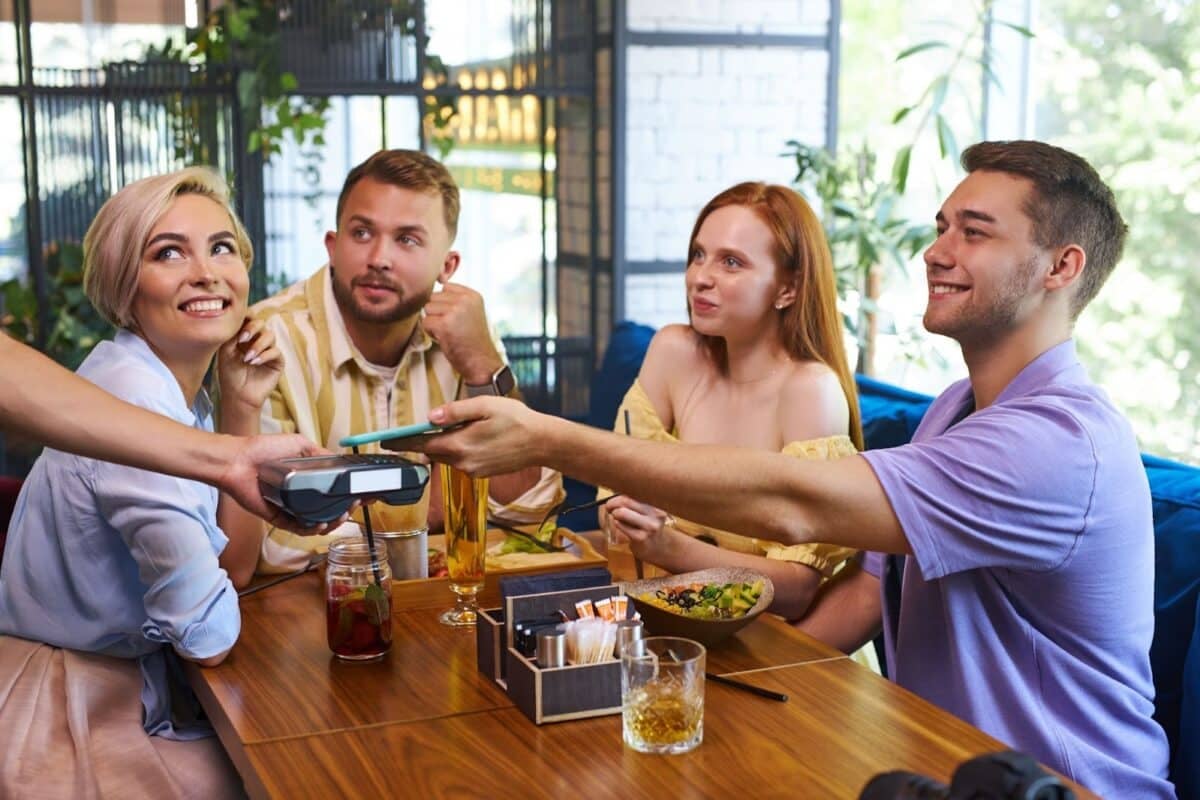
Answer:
(890, 417)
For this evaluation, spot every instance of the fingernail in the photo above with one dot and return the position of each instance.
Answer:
(249, 356)
(437, 415)
(257, 360)
(245, 337)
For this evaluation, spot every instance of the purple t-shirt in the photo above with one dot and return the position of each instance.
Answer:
(1027, 605)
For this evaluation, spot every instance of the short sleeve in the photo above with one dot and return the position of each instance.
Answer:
(1008, 487)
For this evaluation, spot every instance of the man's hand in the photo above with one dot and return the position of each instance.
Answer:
(455, 318)
(240, 478)
(500, 436)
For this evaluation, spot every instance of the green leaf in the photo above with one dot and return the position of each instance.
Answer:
(1021, 29)
(377, 604)
(288, 82)
(946, 143)
(900, 167)
(932, 44)
(901, 114)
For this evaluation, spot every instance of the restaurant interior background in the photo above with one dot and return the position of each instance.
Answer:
(586, 136)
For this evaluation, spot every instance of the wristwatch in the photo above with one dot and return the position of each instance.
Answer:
(502, 384)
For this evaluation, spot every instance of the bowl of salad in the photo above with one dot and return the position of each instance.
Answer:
(708, 605)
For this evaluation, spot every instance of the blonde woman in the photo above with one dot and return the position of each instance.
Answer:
(761, 365)
(111, 574)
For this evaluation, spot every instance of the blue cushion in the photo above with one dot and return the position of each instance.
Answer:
(890, 415)
(1186, 766)
(1175, 493)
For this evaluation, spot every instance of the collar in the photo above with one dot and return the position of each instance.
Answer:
(1042, 370)
(328, 317)
(200, 407)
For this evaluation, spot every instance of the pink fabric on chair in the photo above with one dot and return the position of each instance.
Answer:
(71, 726)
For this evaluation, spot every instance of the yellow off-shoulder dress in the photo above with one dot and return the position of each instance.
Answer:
(644, 423)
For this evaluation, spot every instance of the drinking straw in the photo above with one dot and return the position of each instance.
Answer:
(370, 537)
(747, 687)
(637, 562)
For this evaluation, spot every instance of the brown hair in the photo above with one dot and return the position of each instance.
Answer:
(811, 327)
(113, 244)
(407, 169)
(1069, 204)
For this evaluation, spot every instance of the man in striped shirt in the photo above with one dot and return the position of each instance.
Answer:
(368, 344)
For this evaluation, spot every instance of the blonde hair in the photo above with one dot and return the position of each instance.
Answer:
(113, 244)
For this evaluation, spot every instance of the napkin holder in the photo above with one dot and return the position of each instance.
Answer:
(556, 694)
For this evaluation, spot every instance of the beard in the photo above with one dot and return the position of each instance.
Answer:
(404, 306)
(985, 322)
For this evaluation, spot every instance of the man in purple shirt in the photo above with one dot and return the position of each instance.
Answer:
(1026, 600)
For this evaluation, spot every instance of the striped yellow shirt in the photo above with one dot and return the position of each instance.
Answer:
(328, 390)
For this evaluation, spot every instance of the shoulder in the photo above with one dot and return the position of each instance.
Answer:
(118, 368)
(675, 348)
(294, 300)
(812, 403)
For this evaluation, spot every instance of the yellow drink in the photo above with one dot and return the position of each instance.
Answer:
(662, 714)
(464, 501)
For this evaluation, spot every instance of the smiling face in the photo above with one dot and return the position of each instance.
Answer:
(391, 246)
(984, 269)
(732, 279)
(192, 282)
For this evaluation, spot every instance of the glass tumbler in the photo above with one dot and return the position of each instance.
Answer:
(662, 695)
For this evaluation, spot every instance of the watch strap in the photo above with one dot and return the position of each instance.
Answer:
(502, 384)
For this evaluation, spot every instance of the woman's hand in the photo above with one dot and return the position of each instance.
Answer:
(645, 527)
(248, 367)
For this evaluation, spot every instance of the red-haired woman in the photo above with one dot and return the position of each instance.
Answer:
(762, 365)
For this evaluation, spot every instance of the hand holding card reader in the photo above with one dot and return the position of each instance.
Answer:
(320, 489)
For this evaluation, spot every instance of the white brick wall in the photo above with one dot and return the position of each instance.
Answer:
(743, 16)
(698, 121)
(655, 300)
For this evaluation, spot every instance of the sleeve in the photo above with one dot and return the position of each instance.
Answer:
(1008, 487)
(825, 558)
(169, 526)
(532, 505)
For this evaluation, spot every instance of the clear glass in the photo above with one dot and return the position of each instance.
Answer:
(662, 695)
(464, 501)
(358, 600)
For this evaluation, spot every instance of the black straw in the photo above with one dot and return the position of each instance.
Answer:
(637, 562)
(370, 537)
(747, 687)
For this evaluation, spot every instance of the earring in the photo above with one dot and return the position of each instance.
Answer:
(779, 306)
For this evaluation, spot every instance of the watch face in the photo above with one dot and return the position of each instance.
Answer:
(504, 381)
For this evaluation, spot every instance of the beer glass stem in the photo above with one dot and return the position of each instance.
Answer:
(466, 606)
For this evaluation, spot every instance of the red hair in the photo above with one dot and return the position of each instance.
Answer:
(810, 328)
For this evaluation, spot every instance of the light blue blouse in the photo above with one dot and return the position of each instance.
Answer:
(110, 559)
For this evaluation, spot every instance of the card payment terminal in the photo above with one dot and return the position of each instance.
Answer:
(319, 489)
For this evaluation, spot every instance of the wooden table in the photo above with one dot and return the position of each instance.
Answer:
(423, 722)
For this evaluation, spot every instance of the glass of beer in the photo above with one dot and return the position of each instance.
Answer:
(662, 695)
(465, 504)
